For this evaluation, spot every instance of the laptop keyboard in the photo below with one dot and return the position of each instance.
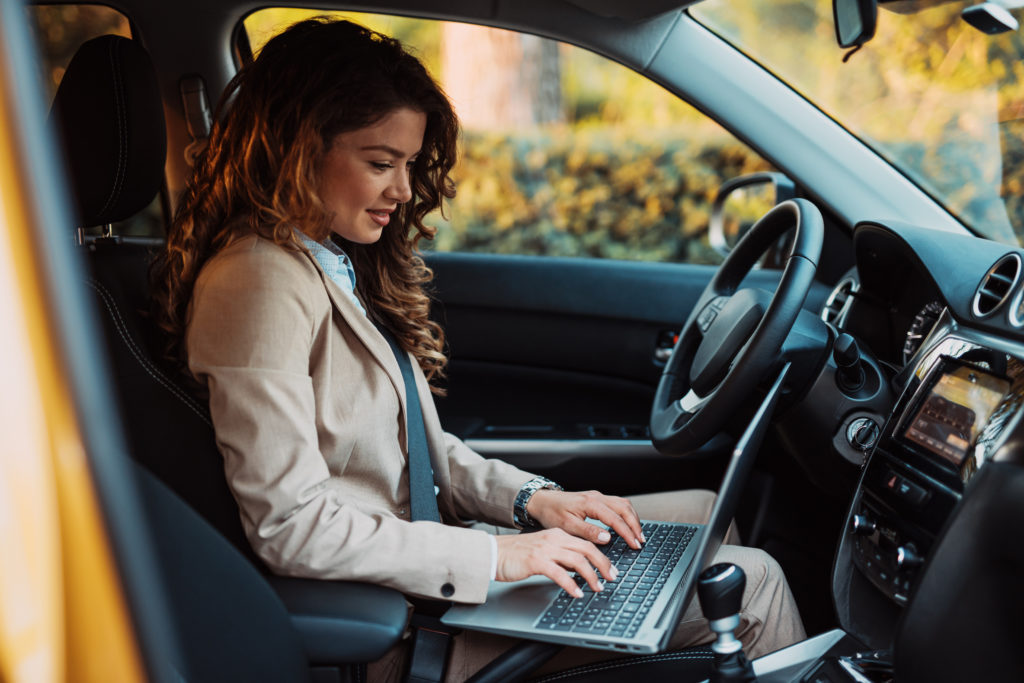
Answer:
(620, 608)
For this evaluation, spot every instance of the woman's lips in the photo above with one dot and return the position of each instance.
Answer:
(381, 218)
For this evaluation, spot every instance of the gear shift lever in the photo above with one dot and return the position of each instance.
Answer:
(720, 591)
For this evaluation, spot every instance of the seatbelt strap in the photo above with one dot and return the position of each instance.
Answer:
(422, 496)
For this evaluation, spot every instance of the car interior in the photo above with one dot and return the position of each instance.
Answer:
(887, 486)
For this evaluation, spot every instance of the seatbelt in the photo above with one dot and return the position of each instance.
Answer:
(422, 496)
(198, 116)
(431, 640)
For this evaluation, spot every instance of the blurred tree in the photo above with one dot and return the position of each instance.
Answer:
(501, 80)
(61, 29)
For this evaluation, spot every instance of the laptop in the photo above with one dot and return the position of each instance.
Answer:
(637, 612)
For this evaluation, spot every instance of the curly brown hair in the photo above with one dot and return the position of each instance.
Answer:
(259, 174)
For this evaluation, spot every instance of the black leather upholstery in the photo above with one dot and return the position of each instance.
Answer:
(110, 116)
(683, 666)
(228, 622)
(168, 430)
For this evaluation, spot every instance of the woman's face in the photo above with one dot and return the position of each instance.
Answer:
(365, 174)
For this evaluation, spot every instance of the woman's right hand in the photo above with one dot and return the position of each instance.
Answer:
(552, 553)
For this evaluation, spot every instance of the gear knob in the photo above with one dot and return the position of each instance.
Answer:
(720, 590)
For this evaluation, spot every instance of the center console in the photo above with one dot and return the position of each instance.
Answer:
(955, 411)
(915, 477)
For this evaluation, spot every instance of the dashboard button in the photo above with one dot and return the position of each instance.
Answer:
(905, 489)
(912, 493)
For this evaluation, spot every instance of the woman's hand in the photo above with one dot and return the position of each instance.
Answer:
(552, 553)
(569, 510)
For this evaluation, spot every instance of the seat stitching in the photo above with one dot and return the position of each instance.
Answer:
(122, 126)
(152, 370)
(622, 663)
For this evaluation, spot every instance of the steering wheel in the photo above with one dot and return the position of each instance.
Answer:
(733, 336)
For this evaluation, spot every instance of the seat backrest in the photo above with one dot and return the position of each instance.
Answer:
(230, 624)
(168, 430)
(110, 116)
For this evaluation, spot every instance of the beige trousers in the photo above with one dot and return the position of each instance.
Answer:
(769, 619)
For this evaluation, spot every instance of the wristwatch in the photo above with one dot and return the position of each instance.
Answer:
(520, 516)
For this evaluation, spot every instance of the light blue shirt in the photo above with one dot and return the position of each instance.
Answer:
(336, 265)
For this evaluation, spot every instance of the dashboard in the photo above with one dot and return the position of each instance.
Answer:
(906, 277)
(941, 318)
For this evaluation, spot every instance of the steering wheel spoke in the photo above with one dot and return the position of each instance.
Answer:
(734, 335)
(691, 402)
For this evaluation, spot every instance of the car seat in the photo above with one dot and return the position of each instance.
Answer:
(230, 615)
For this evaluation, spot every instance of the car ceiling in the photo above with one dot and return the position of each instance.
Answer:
(627, 9)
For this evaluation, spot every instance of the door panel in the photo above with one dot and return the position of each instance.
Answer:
(553, 360)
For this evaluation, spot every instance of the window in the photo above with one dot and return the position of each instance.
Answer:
(564, 152)
(60, 31)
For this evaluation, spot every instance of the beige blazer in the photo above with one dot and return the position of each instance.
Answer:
(308, 406)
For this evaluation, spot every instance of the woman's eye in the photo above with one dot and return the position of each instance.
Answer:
(381, 165)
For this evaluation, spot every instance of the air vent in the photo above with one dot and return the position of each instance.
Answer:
(996, 286)
(839, 301)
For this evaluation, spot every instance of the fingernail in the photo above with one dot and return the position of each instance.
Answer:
(600, 586)
(637, 541)
(643, 539)
(604, 537)
(578, 593)
(614, 573)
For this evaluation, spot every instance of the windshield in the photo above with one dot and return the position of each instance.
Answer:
(942, 101)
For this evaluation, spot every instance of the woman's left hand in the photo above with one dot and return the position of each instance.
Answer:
(569, 510)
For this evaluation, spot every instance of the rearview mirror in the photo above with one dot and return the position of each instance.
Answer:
(855, 21)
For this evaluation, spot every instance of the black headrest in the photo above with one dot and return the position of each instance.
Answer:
(111, 118)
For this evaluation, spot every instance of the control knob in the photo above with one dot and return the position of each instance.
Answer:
(907, 557)
(862, 525)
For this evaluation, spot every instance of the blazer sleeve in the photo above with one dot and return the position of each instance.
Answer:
(249, 340)
(483, 489)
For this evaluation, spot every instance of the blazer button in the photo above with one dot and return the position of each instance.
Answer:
(447, 590)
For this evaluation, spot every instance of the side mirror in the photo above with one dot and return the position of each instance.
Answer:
(741, 202)
(855, 21)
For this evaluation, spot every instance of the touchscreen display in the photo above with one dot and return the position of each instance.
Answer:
(957, 407)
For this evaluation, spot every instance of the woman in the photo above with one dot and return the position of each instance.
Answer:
(290, 263)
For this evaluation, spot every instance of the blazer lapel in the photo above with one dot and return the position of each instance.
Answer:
(378, 347)
(365, 330)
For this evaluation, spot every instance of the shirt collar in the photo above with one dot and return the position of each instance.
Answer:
(335, 263)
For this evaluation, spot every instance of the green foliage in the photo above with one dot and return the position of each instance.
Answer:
(940, 99)
(613, 191)
(630, 176)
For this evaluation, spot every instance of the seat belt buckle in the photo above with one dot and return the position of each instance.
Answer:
(431, 647)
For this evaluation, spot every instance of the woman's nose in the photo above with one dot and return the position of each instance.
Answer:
(400, 189)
